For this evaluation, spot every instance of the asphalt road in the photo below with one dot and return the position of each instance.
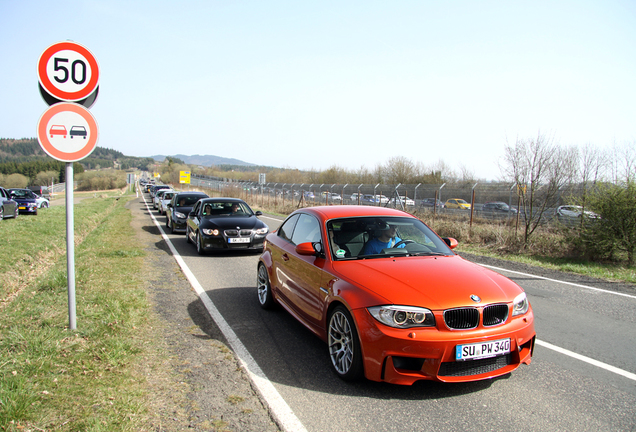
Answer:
(556, 392)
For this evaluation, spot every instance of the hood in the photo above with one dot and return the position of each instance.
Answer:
(231, 222)
(431, 282)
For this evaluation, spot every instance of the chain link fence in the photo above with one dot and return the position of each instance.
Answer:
(493, 201)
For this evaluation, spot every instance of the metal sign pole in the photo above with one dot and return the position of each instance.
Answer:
(70, 246)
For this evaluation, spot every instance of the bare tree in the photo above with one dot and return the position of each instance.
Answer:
(539, 168)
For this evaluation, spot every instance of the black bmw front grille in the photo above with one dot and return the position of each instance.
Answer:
(468, 318)
(462, 319)
(495, 315)
(237, 233)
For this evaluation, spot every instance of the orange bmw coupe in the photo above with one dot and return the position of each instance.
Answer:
(391, 299)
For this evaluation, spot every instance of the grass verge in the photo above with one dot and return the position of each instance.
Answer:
(56, 379)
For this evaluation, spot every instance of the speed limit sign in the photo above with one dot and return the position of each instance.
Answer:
(68, 72)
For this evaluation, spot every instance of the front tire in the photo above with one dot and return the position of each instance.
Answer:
(344, 345)
(264, 288)
(199, 245)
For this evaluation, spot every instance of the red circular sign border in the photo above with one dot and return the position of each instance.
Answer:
(48, 85)
(50, 149)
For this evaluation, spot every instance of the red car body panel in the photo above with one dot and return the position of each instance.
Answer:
(309, 287)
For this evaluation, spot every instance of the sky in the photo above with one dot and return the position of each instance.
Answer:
(313, 84)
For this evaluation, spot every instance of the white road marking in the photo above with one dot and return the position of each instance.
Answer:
(589, 360)
(281, 411)
(562, 282)
(564, 351)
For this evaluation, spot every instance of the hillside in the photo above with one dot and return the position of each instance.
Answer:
(28, 150)
(204, 160)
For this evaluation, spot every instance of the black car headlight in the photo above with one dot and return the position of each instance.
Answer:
(520, 305)
(261, 231)
(403, 316)
(179, 215)
(210, 232)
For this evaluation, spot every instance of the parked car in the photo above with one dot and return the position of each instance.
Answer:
(42, 191)
(179, 208)
(368, 199)
(574, 212)
(414, 311)
(331, 196)
(498, 206)
(457, 203)
(224, 224)
(383, 199)
(26, 199)
(8, 206)
(166, 197)
(404, 200)
(431, 202)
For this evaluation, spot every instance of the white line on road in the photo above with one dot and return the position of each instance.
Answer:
(591, 361)
(281, 411)
(562, 282)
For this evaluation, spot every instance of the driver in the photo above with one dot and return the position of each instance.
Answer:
(386, 239)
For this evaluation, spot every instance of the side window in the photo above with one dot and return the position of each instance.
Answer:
(195, 210)
(287, 228)
(307, 230)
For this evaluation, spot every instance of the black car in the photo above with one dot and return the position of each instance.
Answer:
(8, 206)
(179, 208)
(431, 202)
(223, 224)
(27, 200)
(498, 206)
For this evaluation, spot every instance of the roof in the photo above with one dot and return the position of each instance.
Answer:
(338, 211)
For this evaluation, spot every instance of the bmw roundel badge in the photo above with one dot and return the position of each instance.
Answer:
(475, 298)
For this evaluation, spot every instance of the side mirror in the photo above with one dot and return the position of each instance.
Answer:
(191, 215)
(309, 249)
(169, 205)
(451, 242)
(259, 213)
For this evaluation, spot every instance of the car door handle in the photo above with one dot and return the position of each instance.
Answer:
(285, 257)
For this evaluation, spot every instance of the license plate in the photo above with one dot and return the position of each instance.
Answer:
(239, 240)
(21, 208)
(482, 350)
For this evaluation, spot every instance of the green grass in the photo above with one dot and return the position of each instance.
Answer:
(52, 378)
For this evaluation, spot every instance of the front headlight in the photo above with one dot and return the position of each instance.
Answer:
(403, 316)
(179, 215)
(210, 232)
(520, 305)
(262, 231)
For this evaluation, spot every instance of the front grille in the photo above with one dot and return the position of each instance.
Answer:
(474, 367)
(495, 315)
(461, 319)
(237, 233)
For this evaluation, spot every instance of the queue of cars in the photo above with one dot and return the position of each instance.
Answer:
(387, 295)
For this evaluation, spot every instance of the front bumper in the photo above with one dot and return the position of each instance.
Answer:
(221, 242)
(28, 208)
(403, 356)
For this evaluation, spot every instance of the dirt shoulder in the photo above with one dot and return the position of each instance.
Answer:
(196, 381)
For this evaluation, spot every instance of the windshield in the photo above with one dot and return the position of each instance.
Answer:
(23, 193)
(228, 208)
(373, 237)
